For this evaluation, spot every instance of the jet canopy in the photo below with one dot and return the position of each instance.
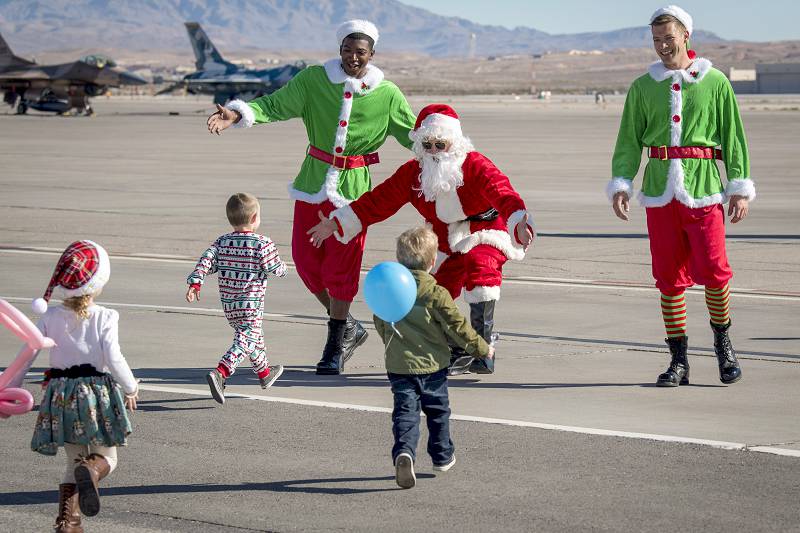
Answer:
(99, 61)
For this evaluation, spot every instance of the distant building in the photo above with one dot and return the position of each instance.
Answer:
(778, 78)
(766, 78)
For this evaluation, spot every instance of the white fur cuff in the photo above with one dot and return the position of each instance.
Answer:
(515, 219)
(619, 185)
(482, 293)
(349, 221)
(741, 187)
(248, 117)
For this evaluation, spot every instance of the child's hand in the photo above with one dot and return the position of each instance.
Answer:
(490, 355)
(321, 231)
(130, 400)
(192, 294)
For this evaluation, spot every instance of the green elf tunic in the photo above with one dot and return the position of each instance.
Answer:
(342, 116)
(692, 107)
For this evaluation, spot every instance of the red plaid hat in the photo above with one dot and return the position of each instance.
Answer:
(82, 269)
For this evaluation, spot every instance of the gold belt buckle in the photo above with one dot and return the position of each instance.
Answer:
(343, 159)
(666, 153)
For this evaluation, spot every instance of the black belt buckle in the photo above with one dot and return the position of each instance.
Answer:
(486, 216)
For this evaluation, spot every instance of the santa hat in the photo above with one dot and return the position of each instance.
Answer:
(82, 269)
(357, 26)
(680, 14)
(439, 121)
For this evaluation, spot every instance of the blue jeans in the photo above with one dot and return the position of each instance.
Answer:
(428, 392)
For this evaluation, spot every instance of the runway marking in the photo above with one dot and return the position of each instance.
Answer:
(519, 280)
(723, 445)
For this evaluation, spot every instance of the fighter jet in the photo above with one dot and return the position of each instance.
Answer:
(225, 80)
(58, 88)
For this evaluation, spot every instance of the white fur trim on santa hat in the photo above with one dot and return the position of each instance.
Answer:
(437, 126)
(39, 306)
(96, 282)
(248, 117)
(357, 26)
(677, 12)
(482, 293)
(349, 221)
(619, 185)
(741, 187)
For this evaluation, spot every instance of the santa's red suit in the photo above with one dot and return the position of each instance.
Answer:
(471, 251)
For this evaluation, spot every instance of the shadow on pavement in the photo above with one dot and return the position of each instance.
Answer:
(306, 486)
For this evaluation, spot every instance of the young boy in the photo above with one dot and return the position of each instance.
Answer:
(242, 259)
(417, 357)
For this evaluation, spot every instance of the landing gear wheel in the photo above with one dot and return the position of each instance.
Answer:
(22, 108)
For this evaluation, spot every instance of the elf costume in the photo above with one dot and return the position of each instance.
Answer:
(681, 116)
(347, 119)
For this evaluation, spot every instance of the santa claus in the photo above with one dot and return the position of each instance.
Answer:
(479, 218)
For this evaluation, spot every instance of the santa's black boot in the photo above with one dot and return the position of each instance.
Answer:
(481, 315)
(678, 371)
(333, 353)
(354, 336)
(460, 360)
(729, 369)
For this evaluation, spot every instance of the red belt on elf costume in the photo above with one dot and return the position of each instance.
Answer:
(683, 152)
(344, 162)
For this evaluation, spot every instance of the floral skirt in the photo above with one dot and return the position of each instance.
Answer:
(86, 410)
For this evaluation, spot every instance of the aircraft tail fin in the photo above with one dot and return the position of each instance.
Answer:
(7, 57)
(207, 57)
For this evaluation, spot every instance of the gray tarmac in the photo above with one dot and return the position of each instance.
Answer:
(581, 342)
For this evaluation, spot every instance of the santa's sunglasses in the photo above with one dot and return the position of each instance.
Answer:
(440, 145)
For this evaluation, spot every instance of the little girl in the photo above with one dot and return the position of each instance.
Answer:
(89, 384)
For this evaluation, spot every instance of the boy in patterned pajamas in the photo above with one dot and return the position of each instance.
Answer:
(242, 259)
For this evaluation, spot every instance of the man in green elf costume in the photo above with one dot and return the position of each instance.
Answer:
(680, 111)
(349, 110)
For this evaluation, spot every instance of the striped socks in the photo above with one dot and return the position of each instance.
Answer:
(718, 303)
(673, 310)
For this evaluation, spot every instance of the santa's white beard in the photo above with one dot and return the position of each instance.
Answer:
(441, 172)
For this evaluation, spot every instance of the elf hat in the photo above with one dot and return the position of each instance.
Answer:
(82, 269)
(436, 121)
(357, 26)
(684, 18)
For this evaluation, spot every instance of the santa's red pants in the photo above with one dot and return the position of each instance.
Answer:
(333, 266)
(687, 246)
(479, 272)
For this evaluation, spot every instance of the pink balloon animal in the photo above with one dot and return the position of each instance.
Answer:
(13, 399)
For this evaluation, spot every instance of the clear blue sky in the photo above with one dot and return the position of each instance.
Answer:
(766, 20)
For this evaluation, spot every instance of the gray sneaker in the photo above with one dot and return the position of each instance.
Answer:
(447, 466)
(274, 373)
(404, 471)
(216, 382)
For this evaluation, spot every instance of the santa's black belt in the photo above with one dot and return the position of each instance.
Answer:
(74, 372)
(487, 215)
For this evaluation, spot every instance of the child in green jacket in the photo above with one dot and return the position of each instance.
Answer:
(417, 357)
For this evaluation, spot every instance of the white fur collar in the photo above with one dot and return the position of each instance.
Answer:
(373, 77)
(696, 71)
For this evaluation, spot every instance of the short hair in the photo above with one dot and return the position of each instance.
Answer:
(666, 19)
(358, 36)
(416, 248)
(240, 208)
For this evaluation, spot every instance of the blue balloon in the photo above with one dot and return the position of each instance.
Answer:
(390, 291)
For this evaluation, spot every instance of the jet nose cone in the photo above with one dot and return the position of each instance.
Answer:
(129, 78)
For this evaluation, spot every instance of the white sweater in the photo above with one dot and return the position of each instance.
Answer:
(94, 340)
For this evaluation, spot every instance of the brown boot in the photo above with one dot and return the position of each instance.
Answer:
(69, 517)
(88, 473)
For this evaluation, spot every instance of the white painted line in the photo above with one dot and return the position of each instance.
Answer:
(536, 281)
(724, 445)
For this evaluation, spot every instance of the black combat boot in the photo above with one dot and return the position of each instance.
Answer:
(678, 371)
(354, 336)
(333, 354)
(481, 316)
(729, 369)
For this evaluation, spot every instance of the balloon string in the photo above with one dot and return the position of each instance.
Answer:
(386, 348)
